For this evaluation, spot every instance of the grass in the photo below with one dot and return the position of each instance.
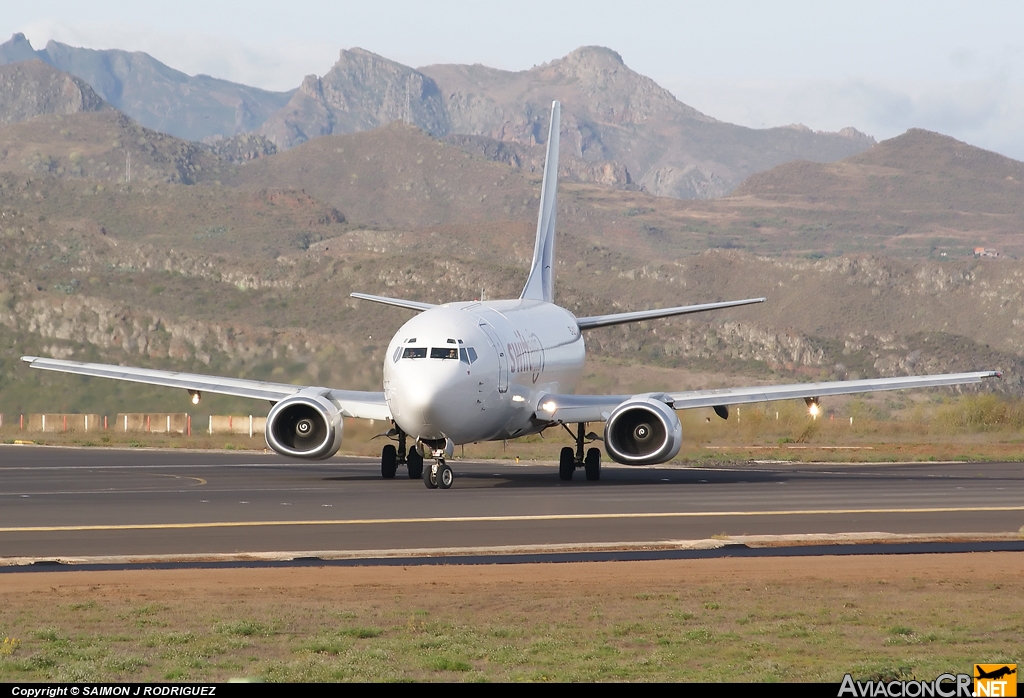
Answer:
(785, 620)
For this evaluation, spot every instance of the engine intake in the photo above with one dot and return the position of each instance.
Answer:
(643, 431)
(305, 426)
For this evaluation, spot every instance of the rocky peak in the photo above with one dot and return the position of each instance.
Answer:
(593, 57)
(362, 91)
(17, 48)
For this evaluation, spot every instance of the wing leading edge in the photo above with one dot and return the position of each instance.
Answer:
(590, 323)
(596, 408)
(352, 403)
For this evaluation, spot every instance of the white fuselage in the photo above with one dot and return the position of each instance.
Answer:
(474, 371)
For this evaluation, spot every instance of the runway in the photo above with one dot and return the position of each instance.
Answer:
(72, 503)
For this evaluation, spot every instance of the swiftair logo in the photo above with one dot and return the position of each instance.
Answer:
(995, 680)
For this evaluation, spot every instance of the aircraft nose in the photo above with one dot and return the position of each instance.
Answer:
(422, 399)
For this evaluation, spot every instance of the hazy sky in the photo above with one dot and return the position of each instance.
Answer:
(882, 67)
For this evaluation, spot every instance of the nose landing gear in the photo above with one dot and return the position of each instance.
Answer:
(438, 475)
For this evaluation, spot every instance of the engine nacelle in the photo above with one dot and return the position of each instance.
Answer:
(643, 431)
(305, 426)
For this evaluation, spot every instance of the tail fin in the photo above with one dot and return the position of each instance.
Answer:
(540, 286)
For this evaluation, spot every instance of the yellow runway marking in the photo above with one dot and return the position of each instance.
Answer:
(498, 519)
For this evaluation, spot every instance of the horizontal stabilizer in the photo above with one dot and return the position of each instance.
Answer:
(397, 302)
(589, 323)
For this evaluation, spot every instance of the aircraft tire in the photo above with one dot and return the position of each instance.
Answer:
(388, 462)
(429, 479)
(414, 461)
(445, 476)
(592, 464)
(566, 464)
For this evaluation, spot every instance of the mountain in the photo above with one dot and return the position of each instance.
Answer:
(203, 265)
(193, 107)
(620, 128)
(361, 92)
(919, 193)
(32, 88)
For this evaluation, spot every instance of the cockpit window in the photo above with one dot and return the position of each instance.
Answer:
(472, 354)
(444, 353)
(415, 353)
(463, 356)
(398, 354)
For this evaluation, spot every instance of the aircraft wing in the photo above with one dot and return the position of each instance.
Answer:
(353, 403)
(597, 408)
(590, 323)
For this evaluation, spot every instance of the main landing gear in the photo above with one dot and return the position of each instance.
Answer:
(392, 457)
(570, 459)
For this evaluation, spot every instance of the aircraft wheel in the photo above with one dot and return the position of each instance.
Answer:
(414, 461)
(445, 476)
(593, 464)
(388, 462)
(430, 477)
(566, 464)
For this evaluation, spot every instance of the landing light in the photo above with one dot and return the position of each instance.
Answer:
(518, 398)
(196, 396)
(549, 406)
(813, 407)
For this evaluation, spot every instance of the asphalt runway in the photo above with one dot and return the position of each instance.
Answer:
(69, 503)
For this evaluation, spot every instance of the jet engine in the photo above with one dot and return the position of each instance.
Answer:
(643, 431)
(305, 426)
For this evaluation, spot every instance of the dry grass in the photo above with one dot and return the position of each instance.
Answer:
(784, 619)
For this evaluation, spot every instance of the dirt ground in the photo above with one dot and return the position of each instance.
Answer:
(611, 578)
(788, 619)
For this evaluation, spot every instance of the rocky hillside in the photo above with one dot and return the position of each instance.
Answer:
(32, 88)
(193, 107)
(921, 192)
(363, 91)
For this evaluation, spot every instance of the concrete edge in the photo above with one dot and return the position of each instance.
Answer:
(767, 541)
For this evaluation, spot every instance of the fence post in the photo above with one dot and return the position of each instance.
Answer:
(148, 430)
(87, 422)
(250, 426)
(168, 424)
(188, 420)
(44, 423)
(21, 425)
(104, 422)
(126, 424)
(211, 425)
(65, 423)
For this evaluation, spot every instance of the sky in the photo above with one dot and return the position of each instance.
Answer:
(881, 67)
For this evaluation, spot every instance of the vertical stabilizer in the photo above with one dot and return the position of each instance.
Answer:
(540, 286)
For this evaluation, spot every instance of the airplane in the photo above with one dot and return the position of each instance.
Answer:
(474, 371)
(994, 674)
